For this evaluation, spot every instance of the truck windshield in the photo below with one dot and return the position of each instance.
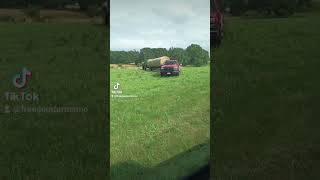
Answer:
(170, 62)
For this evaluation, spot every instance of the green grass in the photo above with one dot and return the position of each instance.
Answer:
(69, 64)
(266, 95)
(169, 116)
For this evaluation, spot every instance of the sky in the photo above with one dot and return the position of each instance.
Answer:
(136, 24)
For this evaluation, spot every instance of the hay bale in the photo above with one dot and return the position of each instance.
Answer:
(157, 62)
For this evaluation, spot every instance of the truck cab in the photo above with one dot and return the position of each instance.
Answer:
(170, 67)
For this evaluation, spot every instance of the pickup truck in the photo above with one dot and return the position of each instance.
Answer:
(170, 67)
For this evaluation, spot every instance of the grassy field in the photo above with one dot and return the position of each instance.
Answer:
(168, 116)
(68, 62)
(266, 99)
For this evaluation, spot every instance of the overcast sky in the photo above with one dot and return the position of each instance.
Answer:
(159, 23)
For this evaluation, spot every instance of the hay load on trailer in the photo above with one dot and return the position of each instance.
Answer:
(155, 63)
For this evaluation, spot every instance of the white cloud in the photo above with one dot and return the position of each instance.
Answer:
(153, 23)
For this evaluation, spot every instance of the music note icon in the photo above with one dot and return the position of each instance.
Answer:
(20, 80)
(116, 86)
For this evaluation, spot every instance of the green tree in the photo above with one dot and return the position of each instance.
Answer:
(158, 52)
(178, 54)
(197, 55)
(146, 53)
(85, 4)
(205, 56)
(283, 7)
(278, 8)
(238, 7)
(133, 57)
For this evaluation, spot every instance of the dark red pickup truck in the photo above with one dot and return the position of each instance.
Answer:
(170, 67)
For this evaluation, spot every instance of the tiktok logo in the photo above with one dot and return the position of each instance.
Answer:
(20, 80)
(115, 87)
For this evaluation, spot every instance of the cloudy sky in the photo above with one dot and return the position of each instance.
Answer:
(159, 23)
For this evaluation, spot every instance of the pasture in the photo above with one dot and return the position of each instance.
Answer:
(266, 95)
(69, 63)
(166, 117)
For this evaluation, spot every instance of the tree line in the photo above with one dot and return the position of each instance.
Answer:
(84, 4)
(267, 7)
(193, 55)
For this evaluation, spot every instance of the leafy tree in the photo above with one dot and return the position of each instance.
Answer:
(283, 7)
(178, 54)
(238, 7)
(158, 52)
(197, 55)
(85, 4)
(303, 5)
(56, 3)
(193, 55)
(133, 57)
(204, 57)
(146, 53)
(269, 7)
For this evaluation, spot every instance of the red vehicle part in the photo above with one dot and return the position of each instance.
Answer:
(171, 67)
(216, 24)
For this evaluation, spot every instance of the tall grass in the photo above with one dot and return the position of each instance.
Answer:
(265, 98)
(54, 145)
(168, 116)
